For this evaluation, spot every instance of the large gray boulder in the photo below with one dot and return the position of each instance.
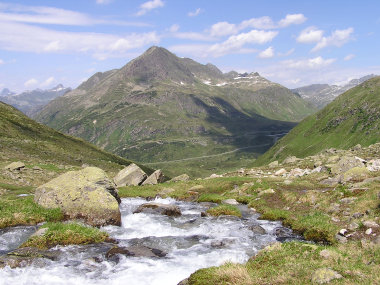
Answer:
(86, 194)
(346, 163)
(155, 178)
(132, 175)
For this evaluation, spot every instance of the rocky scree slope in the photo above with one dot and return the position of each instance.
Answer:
(161, 107)
(352, 118)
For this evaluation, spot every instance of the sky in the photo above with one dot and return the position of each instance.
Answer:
(294, 43)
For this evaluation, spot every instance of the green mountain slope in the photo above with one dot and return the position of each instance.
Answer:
(160, 108)
(352, 118)
(23, 139)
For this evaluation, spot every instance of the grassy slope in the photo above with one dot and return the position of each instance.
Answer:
(24, 139)
(353, 118)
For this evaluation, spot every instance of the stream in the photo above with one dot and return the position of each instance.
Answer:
(190, 241)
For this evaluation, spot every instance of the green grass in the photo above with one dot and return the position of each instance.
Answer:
(210, 197)
(23, 211)
(224, 210)
(66, 234)
(352, 118)
(295, 263)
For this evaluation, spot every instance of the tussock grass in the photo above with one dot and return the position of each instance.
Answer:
(66, 234)
(224, 210)
(23, 211)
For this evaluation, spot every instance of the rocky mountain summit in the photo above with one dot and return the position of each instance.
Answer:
(322, 94)
(160, 107)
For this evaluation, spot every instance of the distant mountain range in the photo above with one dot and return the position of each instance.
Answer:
(352, 118)
(30, 102)
(160, 108)
(322, 94)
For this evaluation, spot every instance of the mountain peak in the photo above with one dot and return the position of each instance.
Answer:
(157, 64)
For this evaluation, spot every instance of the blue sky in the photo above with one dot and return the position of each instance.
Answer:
(294, 43)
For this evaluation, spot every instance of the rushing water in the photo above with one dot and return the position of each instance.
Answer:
(191, 241)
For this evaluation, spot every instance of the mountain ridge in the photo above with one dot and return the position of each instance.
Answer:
(352, 118)
(160, 107)
(321, 94)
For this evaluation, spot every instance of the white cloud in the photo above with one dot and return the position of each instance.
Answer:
(1, 61)
(195, 13)
(174, 28)
(149, 5)
(31, 82)
(289, 52)
(349, 57)
(192, 36)
(310, 63)
(13, 36)
(263, 23)
(235, 43)
(48, 82)
(292, 19)
(223, 29)
(53, 16)
(267, 53)
(103, 2)
(258, 23)
(310, 35)
(338, 38)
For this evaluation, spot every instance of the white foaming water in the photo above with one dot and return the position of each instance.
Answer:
(191, 242)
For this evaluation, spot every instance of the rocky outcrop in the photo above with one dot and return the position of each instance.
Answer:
(15, 166)
(182, 177)
(155, 178)
(86, 194)
(23, 257)
(157, 208)
(132, 175)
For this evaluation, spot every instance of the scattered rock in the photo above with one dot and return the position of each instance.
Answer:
(325, 275)
(257, 229)
(287, 182)
(290, 159)
(215, 176)
(39, 232)
(348, 200)
(37, 168)
(155, 178)
(370, 224)
(346, 163)
(85, 194)
(132, 175)
(280, 172)
(374, 165)
(353, 226)
(267, 191)
(356, 174)
(273, 164)
(319, 169)
(157, 208)
(182, 177)
(166, 191)
(135, 251)
(197, 188)
(340, 238)
(343, 232)
(368, 231)
(357, 215)
(325, 253)
(25, 256)
(230, 202)
(18, 165)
